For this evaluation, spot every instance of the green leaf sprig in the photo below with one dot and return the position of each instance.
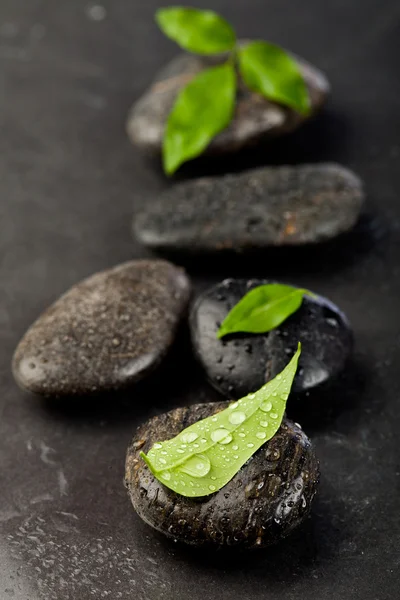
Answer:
(262, 309)
(207, 455)
(206, 105)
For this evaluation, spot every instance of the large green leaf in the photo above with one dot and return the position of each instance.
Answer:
(262, 309)
(270, 71)
(199, 31)
(202, 109)
(209, 453)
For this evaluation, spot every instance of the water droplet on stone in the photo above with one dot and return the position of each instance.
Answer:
(197, 466)
(189, 436)
(266, 406)
(237, 417)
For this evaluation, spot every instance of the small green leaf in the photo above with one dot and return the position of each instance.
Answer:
(202, 109)
(209, 453)
(270, 71)
(199, 31)
(262, 309)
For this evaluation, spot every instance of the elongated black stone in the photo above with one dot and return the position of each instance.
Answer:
(261, 208)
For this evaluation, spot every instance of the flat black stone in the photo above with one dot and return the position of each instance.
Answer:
(268, 497)
(264, 207)
(241, 363)
(255, 119)
(106, 332)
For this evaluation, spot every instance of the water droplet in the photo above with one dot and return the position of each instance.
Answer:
(279, 377)
(264, 423)
(189, 436)
(163, 452)
(274, 394)
(273, 415)
(235, 456)
(234, 405)
(250, 445)
(235, 447)
(237, 417)
(251, 396)
(227, 439)
(241, 434)
(196, 446)
(219, 434)
(163, 461)
(261, 435)
(266, 406)
(157, 446)
(197, 466)
(166, 475)
(212, 487)
(203, 440)
(214, 419)
(180, 451)
(182, 483)
(285, 397)
(213, 477)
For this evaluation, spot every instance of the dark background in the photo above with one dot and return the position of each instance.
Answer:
(69, 183)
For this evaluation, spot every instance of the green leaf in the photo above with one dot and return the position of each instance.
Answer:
(199, 31)
(209, 453)
(202, 109)
(270, 71)
(262, 309)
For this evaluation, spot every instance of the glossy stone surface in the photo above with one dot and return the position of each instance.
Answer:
(241, 363)
(257, 209)
(256, 118)
(106, 332)
(269, 496)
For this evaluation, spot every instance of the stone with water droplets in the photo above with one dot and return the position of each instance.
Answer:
(268, 497)
(256, 118)
(71, 348)
(258, 209)
(319, 325)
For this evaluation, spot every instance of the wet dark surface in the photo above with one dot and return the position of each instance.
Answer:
(69, 181)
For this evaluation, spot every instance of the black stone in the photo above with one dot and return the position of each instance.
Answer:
(268, 497)
(256, 118)
(106, 332)
(265, 207)
(241, 363)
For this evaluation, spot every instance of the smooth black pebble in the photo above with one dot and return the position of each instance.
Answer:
(241, 363)
(255, 210)
(255, 119)
(268, 497)
(106, 332)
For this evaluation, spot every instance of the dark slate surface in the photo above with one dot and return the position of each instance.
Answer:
(69, 180)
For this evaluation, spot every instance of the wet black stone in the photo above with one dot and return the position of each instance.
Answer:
(257, 209)
(106, 332)
(242, 363)
(269, 496)
(256, 118)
